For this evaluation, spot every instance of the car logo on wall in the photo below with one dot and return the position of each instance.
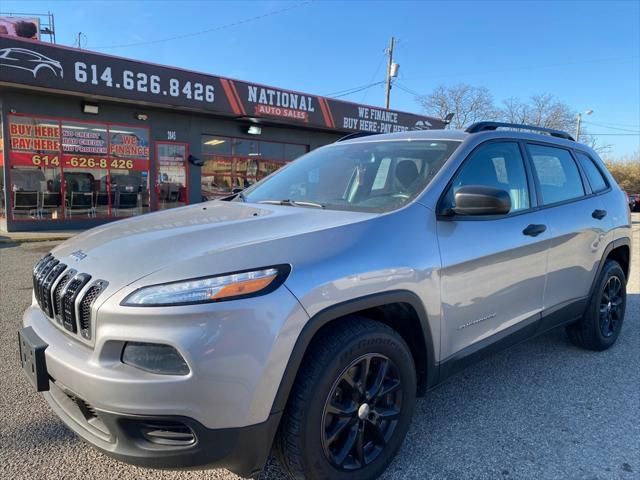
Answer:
(29, 60)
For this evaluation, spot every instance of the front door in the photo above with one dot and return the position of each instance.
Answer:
(493, 267)
(172, 174)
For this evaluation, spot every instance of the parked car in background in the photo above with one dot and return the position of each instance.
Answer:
(305, 314)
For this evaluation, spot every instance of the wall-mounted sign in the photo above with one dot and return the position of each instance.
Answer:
(52, 143)
(27, 64)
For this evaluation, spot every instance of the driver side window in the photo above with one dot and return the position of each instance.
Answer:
(498, 165)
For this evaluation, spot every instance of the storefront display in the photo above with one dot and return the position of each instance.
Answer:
(237, 163)
(66, 168)
(90, 138)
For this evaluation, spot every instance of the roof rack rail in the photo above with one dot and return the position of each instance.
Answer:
(489, 126)
(355, 135)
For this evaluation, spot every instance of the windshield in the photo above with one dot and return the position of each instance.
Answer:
(365, 176)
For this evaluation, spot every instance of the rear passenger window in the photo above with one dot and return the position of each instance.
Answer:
(557, 173)
(596, 179)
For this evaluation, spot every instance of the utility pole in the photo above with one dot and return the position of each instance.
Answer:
(389, 64)
(579, 123)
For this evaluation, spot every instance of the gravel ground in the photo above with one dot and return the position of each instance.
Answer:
(541, 410)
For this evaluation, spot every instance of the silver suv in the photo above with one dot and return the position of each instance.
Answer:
(306, 314)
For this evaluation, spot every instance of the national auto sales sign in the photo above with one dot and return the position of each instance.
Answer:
(26, 63)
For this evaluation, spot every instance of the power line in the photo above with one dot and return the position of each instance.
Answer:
(632, 125)
(529, 67)
(408, 90)
(209, 30)
(373, 78)
(611, 128)
(349, 91)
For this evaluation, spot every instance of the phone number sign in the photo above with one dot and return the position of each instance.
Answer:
(35, 64)
(42, 65)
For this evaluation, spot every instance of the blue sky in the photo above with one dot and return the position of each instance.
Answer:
(586, 53)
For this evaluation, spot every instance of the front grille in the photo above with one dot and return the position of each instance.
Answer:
(85, 307)
(59, 291)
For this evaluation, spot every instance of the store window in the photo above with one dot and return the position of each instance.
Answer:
(172, 174)
(69, 169)
(35, 173)
(237, 163)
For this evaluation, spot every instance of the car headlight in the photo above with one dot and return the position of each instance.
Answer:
(210, 289)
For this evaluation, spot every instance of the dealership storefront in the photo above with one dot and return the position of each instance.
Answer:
(87, 138)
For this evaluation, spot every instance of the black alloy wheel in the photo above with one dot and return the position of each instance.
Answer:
(361, 412)
(601, 323)
(351, 403)
(611, 302)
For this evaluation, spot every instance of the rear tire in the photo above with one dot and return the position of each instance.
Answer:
(351, 404)
(600, 326)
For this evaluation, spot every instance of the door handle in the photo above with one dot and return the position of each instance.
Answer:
(599, 214)
(534, 230)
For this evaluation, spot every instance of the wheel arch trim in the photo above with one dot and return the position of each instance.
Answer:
(620, 242)
(334, 312)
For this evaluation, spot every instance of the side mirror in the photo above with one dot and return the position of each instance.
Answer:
(236, 190)
(480, 200)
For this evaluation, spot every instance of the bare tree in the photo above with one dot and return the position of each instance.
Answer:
(542, 110)
(545, 110)
(469, 104)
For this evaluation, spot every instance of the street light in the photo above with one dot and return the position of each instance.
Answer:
(579, 121)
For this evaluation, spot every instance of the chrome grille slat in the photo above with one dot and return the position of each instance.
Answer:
(36, 273)
(57, 294)
(47, 283)
(40, 279)
(85, 305)
(69, 301)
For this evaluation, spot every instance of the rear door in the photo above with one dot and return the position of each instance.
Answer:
(493, 267)
(578, 223)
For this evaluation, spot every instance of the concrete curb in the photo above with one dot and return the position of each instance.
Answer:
(16, 240)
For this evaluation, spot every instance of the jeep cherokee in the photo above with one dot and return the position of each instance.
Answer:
(305, 314)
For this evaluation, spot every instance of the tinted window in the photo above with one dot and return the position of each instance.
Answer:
(596, 179)
(557, 174)
(497, 165)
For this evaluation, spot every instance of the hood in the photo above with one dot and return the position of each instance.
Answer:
(125, 251)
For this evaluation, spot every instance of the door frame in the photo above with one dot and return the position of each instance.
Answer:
(156, 183)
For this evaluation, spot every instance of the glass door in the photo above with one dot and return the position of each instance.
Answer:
(172, 186)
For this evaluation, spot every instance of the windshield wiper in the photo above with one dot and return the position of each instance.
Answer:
(293, 203)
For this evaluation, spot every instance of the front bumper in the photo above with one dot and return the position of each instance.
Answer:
(237, 353)
(242, 450)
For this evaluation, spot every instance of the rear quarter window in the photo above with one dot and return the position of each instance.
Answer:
(594, 174)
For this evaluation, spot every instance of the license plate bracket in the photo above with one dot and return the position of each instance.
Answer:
(32, 358)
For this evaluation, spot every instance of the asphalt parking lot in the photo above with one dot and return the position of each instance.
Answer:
(541, 410)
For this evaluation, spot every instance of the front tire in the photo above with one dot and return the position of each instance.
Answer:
(351, 405)
(600, 326)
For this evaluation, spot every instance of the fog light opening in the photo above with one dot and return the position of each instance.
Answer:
(154, 358)
(174, 434)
